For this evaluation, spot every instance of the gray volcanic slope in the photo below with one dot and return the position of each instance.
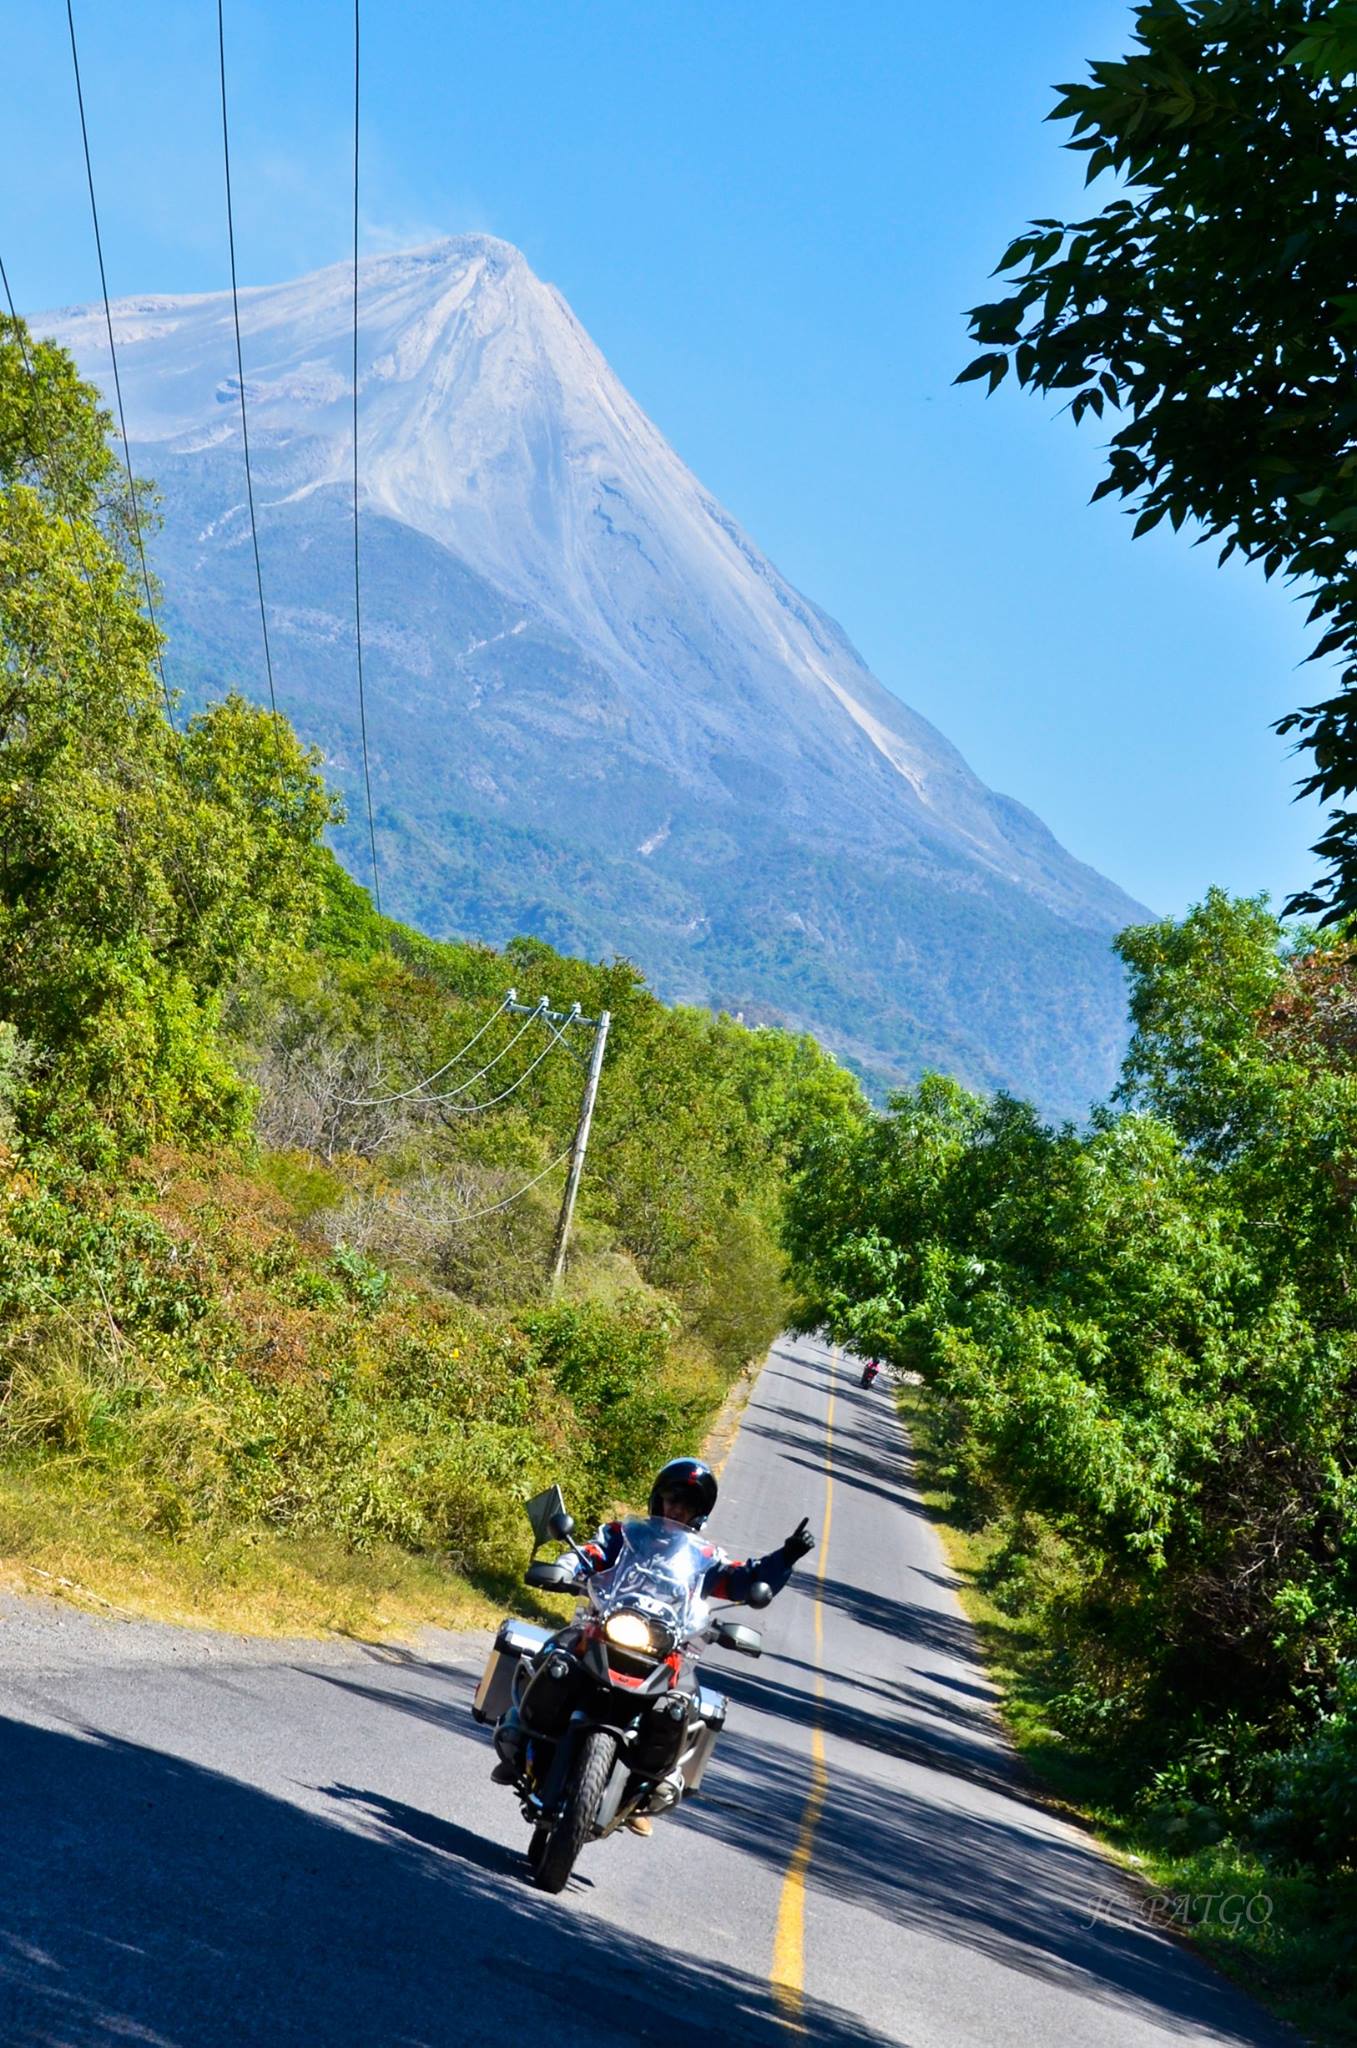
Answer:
(597, 713)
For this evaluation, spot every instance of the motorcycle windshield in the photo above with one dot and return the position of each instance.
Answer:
(659, 1573)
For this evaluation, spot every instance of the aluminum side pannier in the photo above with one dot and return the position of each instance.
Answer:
(708, 1720)
(513, 1641)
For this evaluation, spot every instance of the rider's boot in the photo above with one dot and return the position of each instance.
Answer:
(509, 1742)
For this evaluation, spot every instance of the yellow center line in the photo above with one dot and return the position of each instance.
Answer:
(788, 1974)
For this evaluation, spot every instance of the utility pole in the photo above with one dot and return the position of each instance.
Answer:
(600, 1024)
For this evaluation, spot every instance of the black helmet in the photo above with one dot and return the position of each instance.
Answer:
(692, 1481)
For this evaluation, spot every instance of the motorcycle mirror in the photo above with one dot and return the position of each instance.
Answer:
(733, 1636)
(562, 1525)
(541, 1511)
(760, 1593)
(550, 1578)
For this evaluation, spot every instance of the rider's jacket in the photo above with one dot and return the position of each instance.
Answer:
(726, 1578)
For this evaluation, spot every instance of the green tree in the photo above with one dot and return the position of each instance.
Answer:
(1197, 989)
(1213, 304)
(141, 867)
(1141, 1340)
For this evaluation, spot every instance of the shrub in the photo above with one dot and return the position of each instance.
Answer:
(1311, 1814)
(16, 1060)
(1142, 1338)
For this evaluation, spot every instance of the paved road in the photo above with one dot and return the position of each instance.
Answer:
(207, 1844)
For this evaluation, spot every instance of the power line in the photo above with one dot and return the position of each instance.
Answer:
(159, 657)
(240, 364)
(78, 537)
(357, 598)
(509, 1200)
(18, 333)
(74, 527)
(417, 1093)
(63, 510)
(447, 1100)
(113, 357)
(578, 1147)
(451, 1094)
(404, 1094)
(452, 1108)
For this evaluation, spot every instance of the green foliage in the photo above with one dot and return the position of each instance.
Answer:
(615, 1372)
(366, 1283)
(698, 1123)
(1197, 991)
(249, 1279)
(1211, 305)
(1187, 1821)
(141, 869)
(1139, 1342)
(15, 1060)
(1311, 1817)
(186, 1351)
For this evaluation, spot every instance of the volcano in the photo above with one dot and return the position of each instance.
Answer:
(597, 713)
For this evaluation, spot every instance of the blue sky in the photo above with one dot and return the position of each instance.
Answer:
(770, 217)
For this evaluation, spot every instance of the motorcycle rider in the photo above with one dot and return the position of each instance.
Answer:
(684, 1491)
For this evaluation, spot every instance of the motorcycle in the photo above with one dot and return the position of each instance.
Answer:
(611, 1719)
(869, 1372)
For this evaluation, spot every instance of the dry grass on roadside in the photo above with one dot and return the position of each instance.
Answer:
(209, 1415)
(57, 1538)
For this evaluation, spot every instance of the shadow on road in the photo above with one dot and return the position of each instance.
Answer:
(974, 1876)
(415, 1825)
(930, 1628)
(145, 1899)
(980, 1717)
(965, 1852)
(449, 1708)
(865, 1471)
(970, 1751)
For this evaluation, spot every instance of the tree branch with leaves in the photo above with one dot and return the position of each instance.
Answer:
(1211, 308)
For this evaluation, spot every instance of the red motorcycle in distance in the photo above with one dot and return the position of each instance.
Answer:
(870, 1371)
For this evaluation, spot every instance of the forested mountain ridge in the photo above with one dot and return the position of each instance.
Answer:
(598, 714)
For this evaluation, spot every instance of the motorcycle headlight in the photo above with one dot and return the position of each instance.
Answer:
(632, 1632)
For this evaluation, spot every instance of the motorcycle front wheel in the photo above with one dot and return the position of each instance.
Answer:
(553, 1849)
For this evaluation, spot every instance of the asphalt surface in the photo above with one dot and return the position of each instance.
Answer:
(207, 1843)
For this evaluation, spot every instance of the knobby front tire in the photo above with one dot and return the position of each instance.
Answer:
(554, 1849)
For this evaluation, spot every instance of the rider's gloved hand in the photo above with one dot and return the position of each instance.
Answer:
(799, 1542)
